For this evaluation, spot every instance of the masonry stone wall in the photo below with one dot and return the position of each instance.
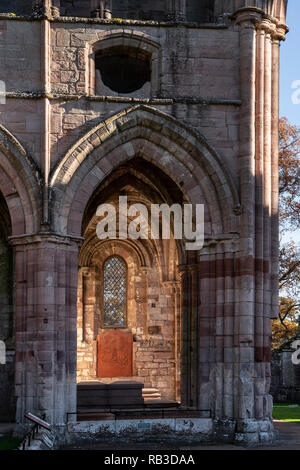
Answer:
(78, 8)
(200, 12)
(133, 9)
(285, 384)
(21, 70)
(205, 132)
(151, 320)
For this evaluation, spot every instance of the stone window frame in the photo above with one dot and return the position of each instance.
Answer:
(134, 40)
(125, 326)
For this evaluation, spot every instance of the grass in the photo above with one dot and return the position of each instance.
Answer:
(9, 443)
(283, 412)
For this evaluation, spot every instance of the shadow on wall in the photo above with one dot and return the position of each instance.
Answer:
(204, 11)
(155, 10)
(7, 409)
(19, 7)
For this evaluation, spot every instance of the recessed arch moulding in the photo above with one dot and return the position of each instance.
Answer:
(120, 153)
(142, 130)
(153, 312)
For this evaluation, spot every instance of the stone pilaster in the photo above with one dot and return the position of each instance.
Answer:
(55, 8)
(189, 316)
(278, 35)
(177, 10)
(46, 294)
(197, 330)
(244, 321)
(252, 408)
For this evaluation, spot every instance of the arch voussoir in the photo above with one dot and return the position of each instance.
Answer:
(157, 137)
(24, 179)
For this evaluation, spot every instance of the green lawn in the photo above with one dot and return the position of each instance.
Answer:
(283, 412)
(9, 443)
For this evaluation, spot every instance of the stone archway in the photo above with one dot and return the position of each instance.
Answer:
(202, 177)
(142, 130)
(153, 287)
(20, 184)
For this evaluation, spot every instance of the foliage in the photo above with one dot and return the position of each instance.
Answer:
(289, 214)
(289, 175)
(282, 333)
(9, 443)
(287, 412)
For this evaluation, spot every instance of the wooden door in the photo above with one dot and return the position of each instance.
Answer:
(115, 354)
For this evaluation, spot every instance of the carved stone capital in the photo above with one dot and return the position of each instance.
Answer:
(280, 32)
(171, 286)
(267, 25)
(248, 17)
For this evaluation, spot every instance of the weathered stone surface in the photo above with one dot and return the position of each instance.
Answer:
(202, 129)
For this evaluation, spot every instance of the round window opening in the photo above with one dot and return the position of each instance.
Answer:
(123, 69)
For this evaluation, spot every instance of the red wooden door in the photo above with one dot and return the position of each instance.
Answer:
(115, 351)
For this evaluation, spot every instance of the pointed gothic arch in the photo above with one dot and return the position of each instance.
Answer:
(20, 184)
(180, 152)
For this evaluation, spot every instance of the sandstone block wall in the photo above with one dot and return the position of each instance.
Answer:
(285, 383)
(206, 131)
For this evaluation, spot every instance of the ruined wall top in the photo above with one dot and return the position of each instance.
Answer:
(276, 8)
(204, 11)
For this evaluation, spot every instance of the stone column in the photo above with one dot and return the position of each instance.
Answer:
(198, 290)
(259, 175)
(177, 306)
(185, 336)
(42, 7)
(55, 8)
(189, 336)
(95, 8)
(46, 294)
(252, 402)
(177, 10)
(244, 314)
(268, 27)
(101, 9)
(277, 36)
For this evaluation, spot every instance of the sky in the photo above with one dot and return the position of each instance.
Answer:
(290, 65)
(289, 74)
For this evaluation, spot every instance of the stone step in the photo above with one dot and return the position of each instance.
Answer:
(151, 394)
(114, 394)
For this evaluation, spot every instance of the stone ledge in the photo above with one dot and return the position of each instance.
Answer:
(182, 427)
(36, 95)
(113, 21)
(128, 22)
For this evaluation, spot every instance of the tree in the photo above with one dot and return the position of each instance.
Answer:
(289, 175)
(289, 214)
(289, 280)
(282, 334)
(285, 327)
